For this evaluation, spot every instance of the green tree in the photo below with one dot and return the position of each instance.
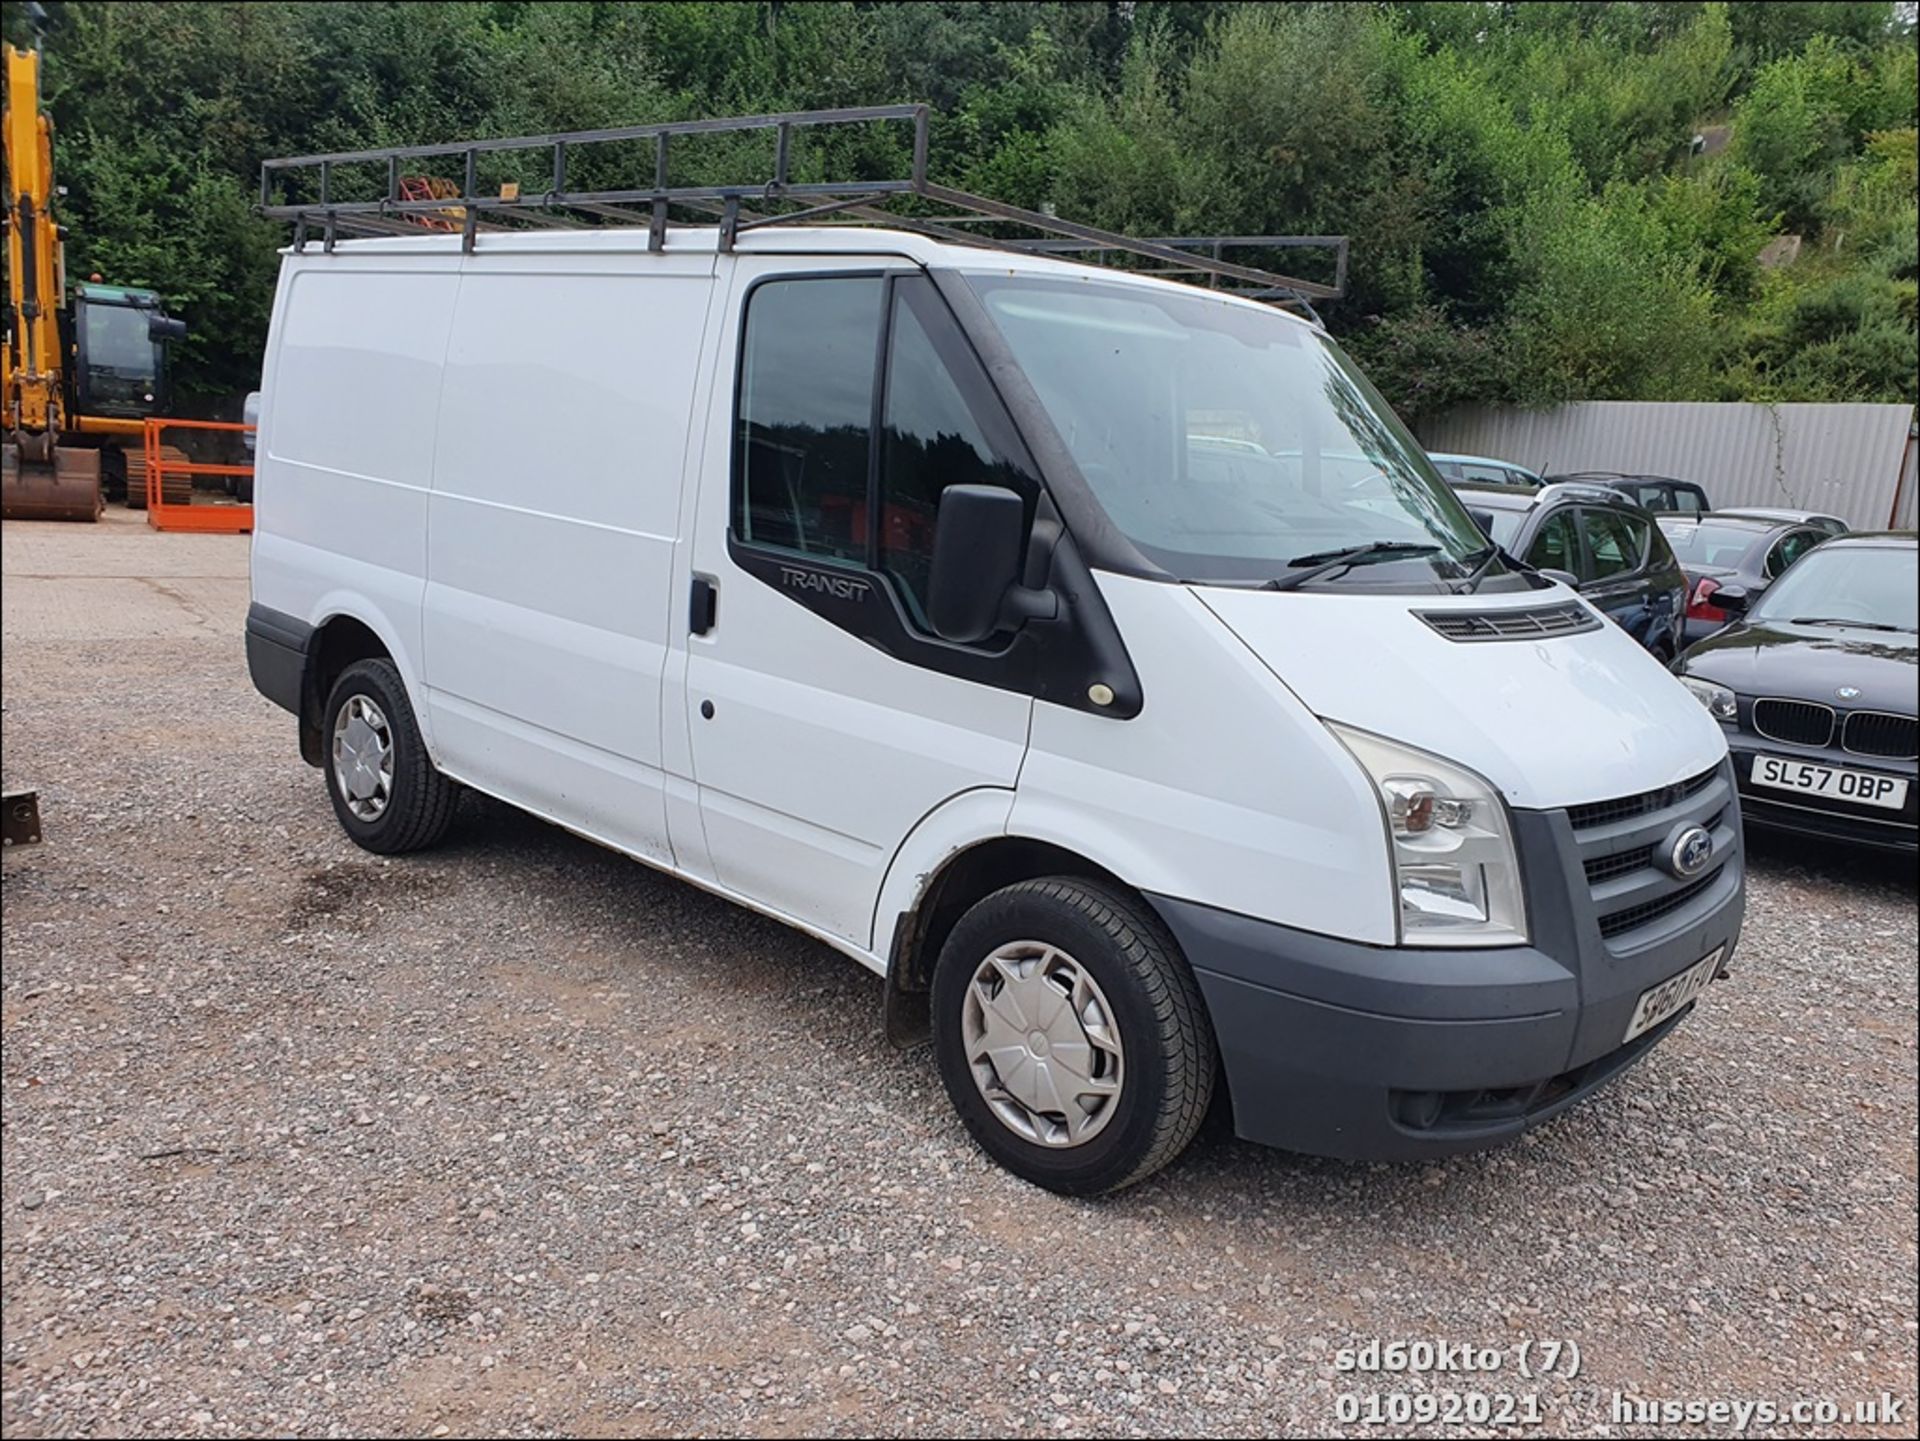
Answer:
(1528, 220)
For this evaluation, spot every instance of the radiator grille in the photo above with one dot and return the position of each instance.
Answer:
(1634, 917)
(1623, 843)
(1797, 722)
(1601, 813)
(1880, 733)
(1605, 868)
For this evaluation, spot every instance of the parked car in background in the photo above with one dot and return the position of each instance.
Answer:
(1481, 470)
(240, 487)
(1816, 690)
(1611, 547)
(1831, 524)
(1661, 494)
(1730, 560)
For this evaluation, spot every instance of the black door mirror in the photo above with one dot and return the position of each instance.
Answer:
(979, 541)
(1483, 519)
(162, 329)
(1733, 599)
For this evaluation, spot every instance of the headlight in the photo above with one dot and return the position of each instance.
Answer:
(1718, 700)
(1455, 871)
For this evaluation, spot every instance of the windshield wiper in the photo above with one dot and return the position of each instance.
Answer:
(1840, 620)
(1482, 561)
(1319, 562)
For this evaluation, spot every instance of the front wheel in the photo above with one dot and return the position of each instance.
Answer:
(383, 784)
(1071, 1036)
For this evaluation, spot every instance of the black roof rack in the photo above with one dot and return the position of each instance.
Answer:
(361, 192)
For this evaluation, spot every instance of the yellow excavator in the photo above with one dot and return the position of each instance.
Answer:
(79, 373)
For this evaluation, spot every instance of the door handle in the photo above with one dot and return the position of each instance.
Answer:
(703, 604)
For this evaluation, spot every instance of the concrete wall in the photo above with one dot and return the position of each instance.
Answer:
(1846, 460)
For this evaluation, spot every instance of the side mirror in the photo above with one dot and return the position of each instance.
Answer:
(1483, 519)
(1565, 577)
(162, 329)
(1733, 599)
(979, 545)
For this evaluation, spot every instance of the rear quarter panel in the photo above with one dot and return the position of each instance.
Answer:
(345, 449)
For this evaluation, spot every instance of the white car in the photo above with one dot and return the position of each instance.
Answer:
(1482, 470)
(895, 589)
(1819, 520)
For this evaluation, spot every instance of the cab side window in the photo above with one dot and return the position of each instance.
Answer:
(806, 454)
(1556, 547)
(806, 415)
(1687, 500)
(940, 430)
(1616, 543)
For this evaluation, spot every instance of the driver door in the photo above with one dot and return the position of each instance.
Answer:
(825, 718)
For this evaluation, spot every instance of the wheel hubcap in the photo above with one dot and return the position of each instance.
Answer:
(363, 757)
(1042, 1044)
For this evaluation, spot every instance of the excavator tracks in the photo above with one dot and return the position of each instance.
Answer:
(176, 486)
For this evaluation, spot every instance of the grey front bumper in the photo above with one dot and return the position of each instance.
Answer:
(1392, 1053)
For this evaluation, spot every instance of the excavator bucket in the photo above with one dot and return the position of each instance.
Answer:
(65, 487)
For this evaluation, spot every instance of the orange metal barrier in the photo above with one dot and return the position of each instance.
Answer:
(217, 516)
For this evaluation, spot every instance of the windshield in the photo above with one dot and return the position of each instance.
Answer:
(1707, 544)
(117, 340)
(1869, 584)
(1229, 444)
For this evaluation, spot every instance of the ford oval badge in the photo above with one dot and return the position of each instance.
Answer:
(1692, 848)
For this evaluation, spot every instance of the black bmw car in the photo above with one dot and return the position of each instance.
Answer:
(1818, 689)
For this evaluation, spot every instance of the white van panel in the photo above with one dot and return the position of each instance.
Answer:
(551, 549)
(1223, 790)
(359, 371)
(347, 446)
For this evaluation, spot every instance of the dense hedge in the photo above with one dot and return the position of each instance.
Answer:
(1529, 221)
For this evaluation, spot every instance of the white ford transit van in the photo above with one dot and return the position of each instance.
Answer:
(1093, 656)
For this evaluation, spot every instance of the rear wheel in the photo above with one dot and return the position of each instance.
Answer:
(383, 784)
(1071, 1036)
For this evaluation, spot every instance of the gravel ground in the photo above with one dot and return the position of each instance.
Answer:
(520, 1137)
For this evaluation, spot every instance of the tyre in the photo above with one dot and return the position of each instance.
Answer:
(1071, 1036)
(385, 790)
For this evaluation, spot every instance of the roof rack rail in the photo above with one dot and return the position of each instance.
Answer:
(1580, 485)
(1618, 475)
(307, 190)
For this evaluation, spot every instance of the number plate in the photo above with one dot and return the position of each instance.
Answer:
(1862, 787)
(1659, 1002)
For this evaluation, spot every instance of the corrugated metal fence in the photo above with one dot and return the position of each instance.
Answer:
(1854, 461)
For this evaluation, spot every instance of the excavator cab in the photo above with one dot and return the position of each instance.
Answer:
(79, 374)
(119, 347)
